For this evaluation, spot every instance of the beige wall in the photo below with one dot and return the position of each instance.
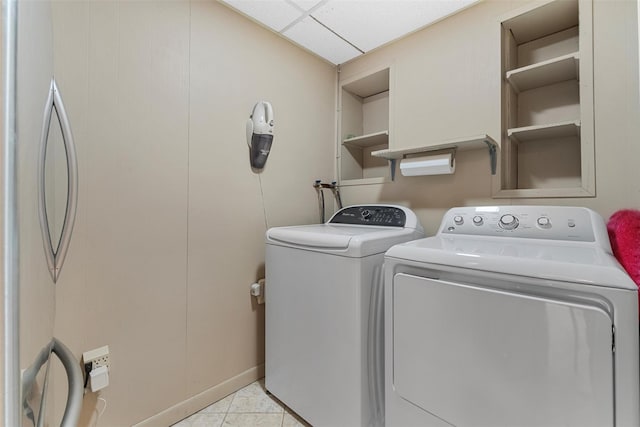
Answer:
(170, 227)
(448, 87)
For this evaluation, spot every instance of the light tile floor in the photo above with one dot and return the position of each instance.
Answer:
(251, 406)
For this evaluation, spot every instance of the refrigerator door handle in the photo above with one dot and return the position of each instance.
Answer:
(75, 389)
(56, 256)
(75, 384)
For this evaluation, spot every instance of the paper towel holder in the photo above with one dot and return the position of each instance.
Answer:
(466, 143)
(437, 162)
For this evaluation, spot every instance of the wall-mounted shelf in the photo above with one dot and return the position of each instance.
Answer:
(547, 146)
(548, 131)
(370, 140)
(461, 144)
(555, 70)
(364, 126)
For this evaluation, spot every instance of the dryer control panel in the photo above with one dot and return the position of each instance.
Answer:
(389, 216)
(537, 222)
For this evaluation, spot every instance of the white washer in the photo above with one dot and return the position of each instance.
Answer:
(324, 354)
(511, 316)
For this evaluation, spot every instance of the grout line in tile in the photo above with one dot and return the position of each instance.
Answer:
(259, 394)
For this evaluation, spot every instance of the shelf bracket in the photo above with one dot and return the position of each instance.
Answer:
(392, 165)
(493, 158)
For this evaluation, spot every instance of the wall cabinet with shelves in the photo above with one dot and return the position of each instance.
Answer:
(364, 127)
(547, 101)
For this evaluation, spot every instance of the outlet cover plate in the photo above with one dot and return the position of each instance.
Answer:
(97, 357)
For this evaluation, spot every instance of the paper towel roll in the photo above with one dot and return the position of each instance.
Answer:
(428, 165)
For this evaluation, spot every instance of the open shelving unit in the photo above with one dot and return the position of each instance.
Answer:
(547, 101)
(364, 127)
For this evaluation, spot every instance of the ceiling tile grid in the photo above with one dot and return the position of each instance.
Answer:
(340, 30)
(310, 34)
(275, 14)
(306, 5)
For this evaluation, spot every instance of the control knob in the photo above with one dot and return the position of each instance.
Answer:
(508, 222)
(544, 222)
(458, 220)
(478, 220)
(366, 214)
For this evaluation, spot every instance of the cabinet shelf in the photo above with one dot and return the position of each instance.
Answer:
(462, 144)
(549, 131)
(370, 140)
(363, 101)
(555, 70)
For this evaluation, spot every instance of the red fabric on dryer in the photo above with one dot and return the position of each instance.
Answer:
(624, 233)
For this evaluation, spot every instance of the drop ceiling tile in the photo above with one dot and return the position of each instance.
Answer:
(276, 14)
(371, 23)
(313, 36)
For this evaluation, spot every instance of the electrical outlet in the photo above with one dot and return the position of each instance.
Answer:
(98, 357)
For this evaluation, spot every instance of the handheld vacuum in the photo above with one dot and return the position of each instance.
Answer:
(260, 133)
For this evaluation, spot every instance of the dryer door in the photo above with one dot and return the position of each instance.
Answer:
(474, 356)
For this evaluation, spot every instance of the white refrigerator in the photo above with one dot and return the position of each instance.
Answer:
(39, 194)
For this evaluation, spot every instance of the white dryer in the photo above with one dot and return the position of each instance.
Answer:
(511, 316)
(324, 354)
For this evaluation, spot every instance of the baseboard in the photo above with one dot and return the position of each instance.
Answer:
(201, 400)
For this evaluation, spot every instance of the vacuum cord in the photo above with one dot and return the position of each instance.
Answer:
(264, 208)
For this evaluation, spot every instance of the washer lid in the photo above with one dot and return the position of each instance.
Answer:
(575, 262)
(339, 239)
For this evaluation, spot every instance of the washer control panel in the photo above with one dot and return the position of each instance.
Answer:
(389, 216)
(539, 222)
